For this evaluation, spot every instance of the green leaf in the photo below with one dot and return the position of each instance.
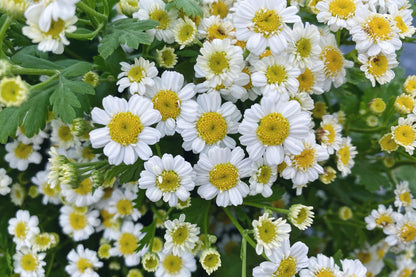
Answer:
(32, 58)
(132, 173)
(78, 69)
(196, 212)
(190, 7)
(38, 107)
(370, 175)
(10, 119)
(149, 230)
(64, 102)
(128, 31)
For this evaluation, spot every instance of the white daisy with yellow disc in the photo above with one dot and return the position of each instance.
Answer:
(404, 197)
(381, 217)
(20, 155)
(83, 262)
(127, 133)
(402, 18)
(378, 68)
(13, 91)
(210, 125)
(78, 222)
(62, 136)
(5, 182)
(353, 268)
(82, 193)
(28, 263)
(321, 265)
(173, 99)
(262, 178)
(405, 133)
(23, 227)
(345, 156)
(338, 14)
(121, 205)
(404, 232)
(263, 24)
(172, 265)
(181, 236)
(169, 177)
(214, 27)
(137, 77)
(329, 133)
(285, 261)
(272, 129)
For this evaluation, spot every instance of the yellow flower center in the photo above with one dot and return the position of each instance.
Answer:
(364, 257)
(405, 272)
(378, 28)
(136, 73)
(48, 190)
(301, 216)
(408, 232)
(267, 231)
(180, 235)
(87, 153)
(83, 264)
(85, 187)
(305, 159)
(167, 103)
(43, 239)
(264, 173)
(216, 31)
(267, 22)
(29, 262)
(56, 28)
(106, 218)
(224, 176)
(325, 272)
(287, 268)
(128, 243)
(330, 133)
(168, 57)
(172, 264)
(77, 220)
(405, 103)
(9, 90)
(23, 151)
(404, 134)
(410, 85)
(211, 127)
(381, 253)
(383, 220)
(150, 262)
(303, 47)
(64, 133)
(266, 53)
(333, 60)
(211, 260)
(157, 244)
(186, 33)
(344, 155)
(378, 65)
(406, 198)
(218, 62)
(400, 24)
(273, 129)
(125, 128)
(342, 8)
(219, 8)
(276, 74)
(387, 143)
(20, 230)
(306, 81)
(160, 16)
(168, 181)
(124, 207)
(377, 105)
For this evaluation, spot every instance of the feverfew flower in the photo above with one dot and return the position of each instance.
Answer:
(78, 222)
(219, 173)
(345, 156)
(28, 263)
(83, 262)
(5, 182)
(121, 205)
(405, 133)
(20, 155)
(50, 194)
(353, 268)
(403, 197)
(127, 133)
(210, 260)
(262, 178)
(172, 265)
(185, 32)
(273, 129)
(380, 217)
(127, 241)
(62, 136)
(23, 227)
(262, 24)
(137, 77)
(337, 14)
(270, 233)
(403, 21)
(83, 194)
(329, 133)
(214, 27)
(404, 232)
(168, 177)
(180, 236)
(378, 67)
(321, 265)
(301, 216)
(13, 91)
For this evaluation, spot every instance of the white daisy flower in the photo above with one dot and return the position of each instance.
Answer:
(23, 227)
(304, 167)
(180, 236)
(172, 99)
(273, 129)
(403, 21)
(78, 222)
(83, 195)
(220, 62)
(13, 91)
(262, 23)
(405, 133)
(221, 8)
(172, 265)
(404, 232)
(43, 241)
(185, 32)
(304, 99)
(50, 194)
(334, 62)
(405, 267)
(374, 33)
(121, 205)
(285, 261)
(127, 242)
(54, 38)
(210, 125)
(270, 233)
(276, 76)
(156, 10)
(214, 27)
(345, 156)
(378, 68)
(338, 14)
(353, 268)
(380, 217)
(321, 265)
(17, 194)
(36, 139)
(311, 79)
(5, 182)
(404, 197)
(82, 262)
(127, 133)
(219, 173)
(210, 260)
(110, 224)
(303, 45)
(28, 263)
(62, 136)
(168, 177)
(262, 178)
(301, 216)
(137, 77)
(329, 133)
(20, 155)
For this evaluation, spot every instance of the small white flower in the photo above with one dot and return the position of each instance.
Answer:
(172, 265)
(78, 223)
(262, 178)
(5, 182)
(353, 268)
(404, 197)
(28, 263)
(180, 236)
(23, 227)
(380, 217)
(378, 68)
(405, 133)
(20, 155)
(321, 265)
(345, 156)
(82, 262)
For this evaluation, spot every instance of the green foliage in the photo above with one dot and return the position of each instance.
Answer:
(370, 174)
(189, 7)
(127, 31)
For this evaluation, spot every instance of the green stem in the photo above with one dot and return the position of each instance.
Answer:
(3, 30)
(37, 86)
(48, 270)
(261, 206)
(243, 256)
(89, 164)
(206, 226)
(369, 130)
(199, 42)
(88, 36)
(338, 36)
(33, 71)
(91, 11)
(159, 153)
(391, 177)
